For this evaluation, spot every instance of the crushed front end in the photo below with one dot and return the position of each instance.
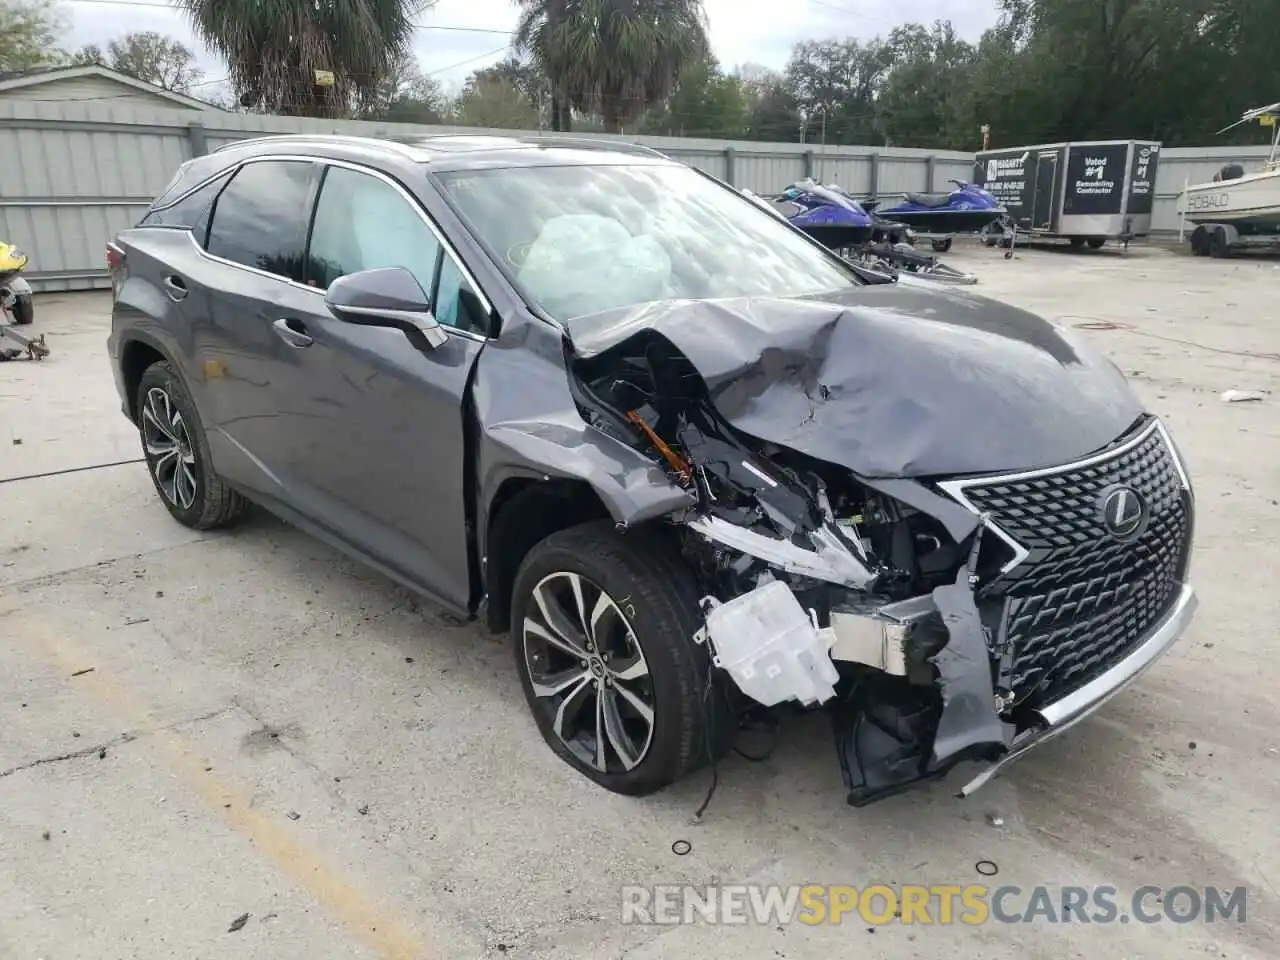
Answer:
(937, 619)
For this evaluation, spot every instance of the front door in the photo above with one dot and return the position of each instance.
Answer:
(375, 425)
(1046, 181)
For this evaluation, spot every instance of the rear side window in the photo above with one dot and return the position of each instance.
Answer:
(260, 219)
(190, 212)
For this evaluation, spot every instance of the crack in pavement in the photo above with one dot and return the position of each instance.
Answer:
(126, 737)
(55, 577)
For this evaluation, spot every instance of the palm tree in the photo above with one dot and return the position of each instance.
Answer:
(275, 48)
(618, 57)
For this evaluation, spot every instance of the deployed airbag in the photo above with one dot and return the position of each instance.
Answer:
(582, 259)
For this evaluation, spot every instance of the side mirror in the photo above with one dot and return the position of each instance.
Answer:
(386, 297)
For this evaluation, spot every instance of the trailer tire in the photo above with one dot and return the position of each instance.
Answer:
(1218, 248)
(1077, 243)
(24, 311)
(1096, 243)
(942, 246)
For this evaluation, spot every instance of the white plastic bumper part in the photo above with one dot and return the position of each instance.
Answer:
(771, 648)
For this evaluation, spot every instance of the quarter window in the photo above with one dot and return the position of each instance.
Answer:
(456, 303)
(259, 220)
(191, 212)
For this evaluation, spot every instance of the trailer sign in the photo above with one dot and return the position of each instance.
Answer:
(1093, 184)
(1095, 179)
(1006, 180)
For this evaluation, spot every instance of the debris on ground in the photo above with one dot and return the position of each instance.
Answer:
(238, 923)
(137, 620)
(1240, 396)
(363, 811)
(81, 673)
(995, 819)
(294, 815)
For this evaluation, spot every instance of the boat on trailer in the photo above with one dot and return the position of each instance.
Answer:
(1237, 209)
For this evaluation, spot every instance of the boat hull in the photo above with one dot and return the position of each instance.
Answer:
(1250, 203)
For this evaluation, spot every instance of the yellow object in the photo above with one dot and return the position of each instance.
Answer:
(11, 258)
(324, 78)
(1267, 119)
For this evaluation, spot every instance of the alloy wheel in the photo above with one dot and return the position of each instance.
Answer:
(588, 672)
(169, 450)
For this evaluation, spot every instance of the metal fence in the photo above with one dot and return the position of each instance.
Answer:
(74, 174)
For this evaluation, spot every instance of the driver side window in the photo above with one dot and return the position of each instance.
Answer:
(362, 223)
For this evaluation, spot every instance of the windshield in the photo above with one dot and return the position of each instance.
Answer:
(579, 240)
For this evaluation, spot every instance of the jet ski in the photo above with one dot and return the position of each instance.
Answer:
(827, 214)
(883, 230)
(966, 209)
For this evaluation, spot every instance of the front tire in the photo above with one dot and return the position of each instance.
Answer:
(602, 626)
(177, 453)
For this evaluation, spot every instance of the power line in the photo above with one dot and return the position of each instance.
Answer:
(462, 63)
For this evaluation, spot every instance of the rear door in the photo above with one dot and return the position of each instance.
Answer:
(251, 273)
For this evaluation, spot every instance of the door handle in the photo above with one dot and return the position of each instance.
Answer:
(175, 287)
(292, 332)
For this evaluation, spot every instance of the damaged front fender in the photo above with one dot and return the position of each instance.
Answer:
(528, 424)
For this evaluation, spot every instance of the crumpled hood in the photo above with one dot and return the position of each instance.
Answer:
(891, 380)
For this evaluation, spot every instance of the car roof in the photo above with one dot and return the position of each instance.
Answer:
(454, 151)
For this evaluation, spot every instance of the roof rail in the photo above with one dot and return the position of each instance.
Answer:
(320, 137)
(622, 146)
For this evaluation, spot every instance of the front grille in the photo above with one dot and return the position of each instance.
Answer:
(1081, 599)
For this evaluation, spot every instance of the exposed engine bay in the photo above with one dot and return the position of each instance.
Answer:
(820, 588)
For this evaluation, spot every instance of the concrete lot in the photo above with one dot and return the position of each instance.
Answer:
(269, 729)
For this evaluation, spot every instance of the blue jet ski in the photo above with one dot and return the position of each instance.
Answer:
(966, 209)
(833, 217)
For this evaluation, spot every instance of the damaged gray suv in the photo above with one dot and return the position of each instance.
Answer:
(696, 464)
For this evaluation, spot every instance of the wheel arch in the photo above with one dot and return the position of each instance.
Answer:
(138, 352)
(523, 511)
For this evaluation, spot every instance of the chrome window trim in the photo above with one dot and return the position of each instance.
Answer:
(445, 245)
(956, 488)
(224, 172)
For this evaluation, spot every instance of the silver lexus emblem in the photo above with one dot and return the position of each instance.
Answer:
(1123, 511)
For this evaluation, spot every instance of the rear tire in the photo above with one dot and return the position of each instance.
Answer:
(177, 453)
(602, 628)
(1077, 243)
(942, 246)
(24, 310)
(1097, 243)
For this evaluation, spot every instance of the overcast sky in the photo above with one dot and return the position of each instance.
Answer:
(759, 31)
